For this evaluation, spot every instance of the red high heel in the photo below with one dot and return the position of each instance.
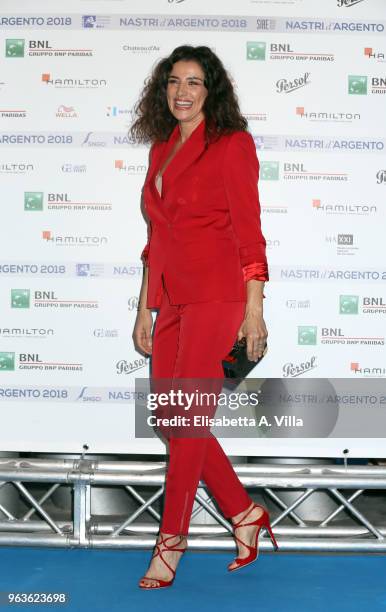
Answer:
(262, 521)
(162, 583)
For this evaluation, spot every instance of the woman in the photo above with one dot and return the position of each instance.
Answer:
(205, 268)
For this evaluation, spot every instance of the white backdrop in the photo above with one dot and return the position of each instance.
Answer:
(311, 79)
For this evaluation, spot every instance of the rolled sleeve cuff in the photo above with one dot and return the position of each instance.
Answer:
(256, 271)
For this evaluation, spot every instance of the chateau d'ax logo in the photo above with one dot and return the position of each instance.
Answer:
(287, 86)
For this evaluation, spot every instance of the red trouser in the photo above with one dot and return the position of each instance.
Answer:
(190, 341)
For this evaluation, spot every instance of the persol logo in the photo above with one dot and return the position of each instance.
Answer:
(347, 3)
(291, 369)
(286, 86)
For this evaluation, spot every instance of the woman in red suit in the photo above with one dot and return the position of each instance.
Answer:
(205, 269)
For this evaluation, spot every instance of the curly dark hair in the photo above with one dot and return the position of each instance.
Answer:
(155, 122)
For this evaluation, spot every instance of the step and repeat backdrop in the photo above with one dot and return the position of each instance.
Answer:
(311, 80)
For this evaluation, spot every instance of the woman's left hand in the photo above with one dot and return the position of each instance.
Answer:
(253, 328)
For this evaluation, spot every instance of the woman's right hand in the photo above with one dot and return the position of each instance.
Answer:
(142, 331)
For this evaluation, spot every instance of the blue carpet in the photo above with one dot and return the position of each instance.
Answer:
(282, 582)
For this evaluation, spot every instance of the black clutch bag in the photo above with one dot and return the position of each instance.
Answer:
(236, 364)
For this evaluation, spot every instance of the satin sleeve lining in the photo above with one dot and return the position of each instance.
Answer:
(255, 271)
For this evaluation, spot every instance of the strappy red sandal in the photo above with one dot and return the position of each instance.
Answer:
(262, 521)
(162, 583)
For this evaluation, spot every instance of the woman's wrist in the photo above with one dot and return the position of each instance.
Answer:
(142, 308)
(253, 310)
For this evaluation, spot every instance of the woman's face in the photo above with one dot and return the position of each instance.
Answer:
(186, 91)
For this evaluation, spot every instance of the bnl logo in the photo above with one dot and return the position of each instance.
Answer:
(256, 50)
(7, 362)
(14, 47)
(357, 85)
(33, 200)
(20, 298)
(307, 334)
(269, 170)
(348, 304)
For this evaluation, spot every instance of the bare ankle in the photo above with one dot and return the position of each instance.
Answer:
(237, 517)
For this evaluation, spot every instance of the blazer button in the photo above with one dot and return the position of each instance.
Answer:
(181, 201)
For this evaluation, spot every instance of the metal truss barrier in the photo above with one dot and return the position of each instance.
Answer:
(38, 528)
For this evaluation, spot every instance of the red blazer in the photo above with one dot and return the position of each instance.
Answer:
(206, 227)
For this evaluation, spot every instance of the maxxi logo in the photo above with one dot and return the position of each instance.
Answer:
(345, 239)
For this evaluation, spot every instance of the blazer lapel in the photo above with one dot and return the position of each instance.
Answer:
(192, 148)
(160, 156)
(189, 152)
